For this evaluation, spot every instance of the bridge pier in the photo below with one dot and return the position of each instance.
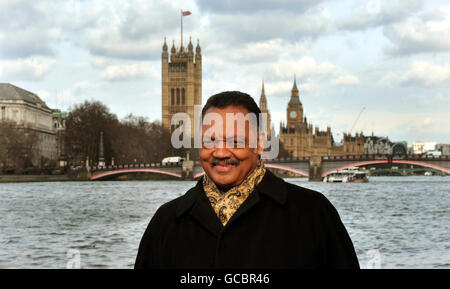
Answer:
(315, 169)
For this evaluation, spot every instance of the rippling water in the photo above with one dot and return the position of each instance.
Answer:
(404, 220)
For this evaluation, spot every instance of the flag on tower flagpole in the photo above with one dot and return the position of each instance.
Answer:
(183, 13)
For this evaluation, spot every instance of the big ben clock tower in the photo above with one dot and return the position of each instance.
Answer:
(300, 139)
(295, 107)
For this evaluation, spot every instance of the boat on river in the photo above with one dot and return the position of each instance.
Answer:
(350, 175)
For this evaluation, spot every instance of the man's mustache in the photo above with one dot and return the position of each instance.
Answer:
(226, 161)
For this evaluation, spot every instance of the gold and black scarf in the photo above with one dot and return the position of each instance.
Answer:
(226, 204)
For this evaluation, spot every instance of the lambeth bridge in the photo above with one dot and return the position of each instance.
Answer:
(315, 168)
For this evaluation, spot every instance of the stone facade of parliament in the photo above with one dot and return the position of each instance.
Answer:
(181, 82)
(300, 139)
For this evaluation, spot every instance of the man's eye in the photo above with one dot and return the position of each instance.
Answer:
(208, 143)
(239, 143)
(211, 143)
(233, 143)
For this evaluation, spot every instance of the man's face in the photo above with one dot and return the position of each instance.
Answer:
(228, 166)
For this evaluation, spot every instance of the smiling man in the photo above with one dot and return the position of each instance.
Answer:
(240, 215)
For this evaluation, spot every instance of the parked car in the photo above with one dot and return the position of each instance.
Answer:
(172, 160)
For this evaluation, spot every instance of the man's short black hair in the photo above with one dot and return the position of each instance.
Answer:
(235, 98)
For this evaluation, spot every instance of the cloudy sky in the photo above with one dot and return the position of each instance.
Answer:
(391, 58)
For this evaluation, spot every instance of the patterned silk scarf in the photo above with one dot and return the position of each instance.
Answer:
(226, 204)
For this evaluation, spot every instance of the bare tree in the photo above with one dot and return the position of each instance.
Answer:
(132, 139)
(141, 140)
(18, 146)
(83, 126)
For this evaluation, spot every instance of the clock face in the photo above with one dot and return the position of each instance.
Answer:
(293, 114)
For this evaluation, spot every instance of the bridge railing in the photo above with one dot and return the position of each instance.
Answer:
(136, 165)
(287, 160)
(386, 156)
(423, 157)
(356, 157)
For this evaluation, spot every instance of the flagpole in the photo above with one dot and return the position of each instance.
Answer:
(181, 28)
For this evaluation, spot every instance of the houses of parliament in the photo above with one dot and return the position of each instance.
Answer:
(181, 84)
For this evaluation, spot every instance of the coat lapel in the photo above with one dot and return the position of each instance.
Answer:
(250, 202)
(205, 215)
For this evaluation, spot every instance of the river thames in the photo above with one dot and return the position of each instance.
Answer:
(394, 222)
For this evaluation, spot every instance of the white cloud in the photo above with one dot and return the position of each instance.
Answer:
(427, 120)
(28, 29)
(421, 73)
(347, 79)
(402, 125)
(303, 68)
(82, 87)
(309, 72)
(375, 13)
(26, 69)
(46, 96)
(283, 87)
(28, 42)
(133, 30)
(108, 43)
(239, 29)
(127, 72)
(424, 126)
(255, 6)
(100, 62)
(259, 52)
(59, 99)
(428, 32)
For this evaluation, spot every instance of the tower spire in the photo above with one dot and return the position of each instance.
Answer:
(262, 99)
(165, 44)
(294, 88)
(294, 93)
(265, 110)
(173, 49)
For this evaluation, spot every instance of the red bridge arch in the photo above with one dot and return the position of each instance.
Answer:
(198, 175)
(423, 165)
(288, 169)
(416, 163)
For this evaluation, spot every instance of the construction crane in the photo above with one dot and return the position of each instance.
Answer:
(356, 120)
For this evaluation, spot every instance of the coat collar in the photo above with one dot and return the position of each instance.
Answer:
(188, 199)
(271, 186)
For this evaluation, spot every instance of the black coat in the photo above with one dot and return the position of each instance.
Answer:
(280, 225)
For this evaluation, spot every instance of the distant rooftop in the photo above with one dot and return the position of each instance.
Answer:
(12, 92)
